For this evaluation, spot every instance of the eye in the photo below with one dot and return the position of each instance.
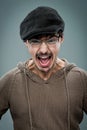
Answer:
(34, 42)
(52, 40)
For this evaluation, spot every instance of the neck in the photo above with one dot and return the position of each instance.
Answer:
(46, 75)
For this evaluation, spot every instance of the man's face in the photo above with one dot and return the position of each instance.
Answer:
(44, 51)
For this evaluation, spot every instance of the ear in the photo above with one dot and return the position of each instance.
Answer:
(26, 43)
(61, 39)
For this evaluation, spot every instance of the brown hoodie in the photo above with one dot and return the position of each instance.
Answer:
(55, 104)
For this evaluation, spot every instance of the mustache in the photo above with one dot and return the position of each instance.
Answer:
(39, 55)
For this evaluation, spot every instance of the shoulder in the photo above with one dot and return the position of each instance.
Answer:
(76, 73)
(7, 79)
(80, 71)
(11, 73)
(80, 74)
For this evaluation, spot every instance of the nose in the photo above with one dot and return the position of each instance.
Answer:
(43, 48)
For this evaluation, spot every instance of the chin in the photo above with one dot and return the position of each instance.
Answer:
(45, 70)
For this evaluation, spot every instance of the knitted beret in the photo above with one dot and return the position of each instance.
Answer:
(42, 20)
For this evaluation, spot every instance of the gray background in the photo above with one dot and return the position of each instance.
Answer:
(12, 49)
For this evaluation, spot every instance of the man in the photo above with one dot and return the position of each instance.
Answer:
(45, 92)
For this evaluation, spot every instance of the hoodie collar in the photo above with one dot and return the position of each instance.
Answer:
(60, 73)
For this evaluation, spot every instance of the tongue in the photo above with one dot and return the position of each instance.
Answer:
(44, 62)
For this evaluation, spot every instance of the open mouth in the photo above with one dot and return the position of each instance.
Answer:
(44, 60)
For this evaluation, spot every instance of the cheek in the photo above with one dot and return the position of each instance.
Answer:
(32, 51)
(55, 50)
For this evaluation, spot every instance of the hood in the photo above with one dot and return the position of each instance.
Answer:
(23, 68)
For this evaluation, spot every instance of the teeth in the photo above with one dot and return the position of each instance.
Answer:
(44, 56)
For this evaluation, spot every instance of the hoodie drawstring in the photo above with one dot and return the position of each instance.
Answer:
(28, 101)
(68, 99)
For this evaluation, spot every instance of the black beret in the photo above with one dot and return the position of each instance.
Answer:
(42, 20)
